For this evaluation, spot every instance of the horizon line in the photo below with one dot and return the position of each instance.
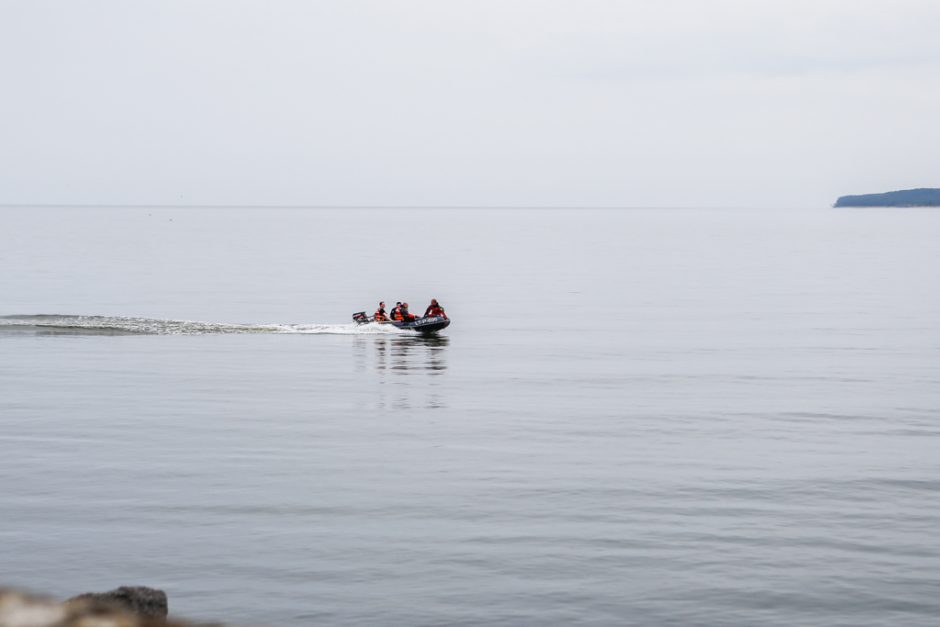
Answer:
(399, 206)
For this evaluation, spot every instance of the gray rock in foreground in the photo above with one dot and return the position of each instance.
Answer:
(139, 600)
(19, 609)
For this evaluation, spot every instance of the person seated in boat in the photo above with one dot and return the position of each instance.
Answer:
(405, 314)
(396, 311)
(435, 309)
(380, 315)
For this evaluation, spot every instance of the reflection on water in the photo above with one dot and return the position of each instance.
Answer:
(406, 368)
(409, 354)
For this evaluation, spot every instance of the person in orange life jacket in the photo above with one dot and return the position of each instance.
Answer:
(396, 311)
(404, 313)
(435, 309)
(380, 315)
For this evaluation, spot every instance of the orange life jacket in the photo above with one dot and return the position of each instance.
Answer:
(380, 315)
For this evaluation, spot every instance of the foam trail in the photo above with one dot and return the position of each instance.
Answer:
(117, 325)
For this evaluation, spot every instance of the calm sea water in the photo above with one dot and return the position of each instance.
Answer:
(650, 417)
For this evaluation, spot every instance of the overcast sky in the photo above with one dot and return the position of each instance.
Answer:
(502, 102)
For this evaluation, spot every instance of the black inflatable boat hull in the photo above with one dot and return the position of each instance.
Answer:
(431, 324)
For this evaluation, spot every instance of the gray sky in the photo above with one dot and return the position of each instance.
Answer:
(482, 102)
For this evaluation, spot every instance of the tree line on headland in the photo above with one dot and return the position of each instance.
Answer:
(922, 197)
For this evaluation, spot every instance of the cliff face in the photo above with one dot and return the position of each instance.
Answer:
(923, 197)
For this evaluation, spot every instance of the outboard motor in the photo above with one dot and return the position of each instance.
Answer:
(360, 317)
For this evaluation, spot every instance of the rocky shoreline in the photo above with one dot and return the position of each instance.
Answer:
(127, 606)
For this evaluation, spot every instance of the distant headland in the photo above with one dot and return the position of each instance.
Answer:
(922, 197)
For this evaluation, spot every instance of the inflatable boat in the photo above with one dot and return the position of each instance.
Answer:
(431, 324)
